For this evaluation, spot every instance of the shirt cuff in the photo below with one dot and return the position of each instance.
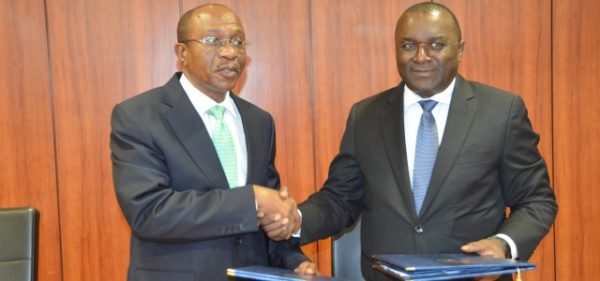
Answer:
(297, 234)
(514, 254)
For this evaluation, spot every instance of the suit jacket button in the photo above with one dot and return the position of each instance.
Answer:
(238, 241)
(419, 229)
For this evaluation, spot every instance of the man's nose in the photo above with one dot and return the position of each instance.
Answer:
(228, 51)
(422, 54)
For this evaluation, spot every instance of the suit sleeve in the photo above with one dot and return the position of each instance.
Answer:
(526, 187)
(159, 212)
(338, 203)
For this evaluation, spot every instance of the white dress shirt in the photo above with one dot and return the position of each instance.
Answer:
(202, 103)
(412, 117)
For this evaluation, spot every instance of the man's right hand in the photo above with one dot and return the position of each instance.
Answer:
(277, 212)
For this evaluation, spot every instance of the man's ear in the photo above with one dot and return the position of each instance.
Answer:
(461, 48)
(182, 53)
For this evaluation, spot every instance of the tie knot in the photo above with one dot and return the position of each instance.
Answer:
(216, 111)
(428, 105)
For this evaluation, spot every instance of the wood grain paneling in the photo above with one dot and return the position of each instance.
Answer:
(277, 79)
(26, 139)
(507, 46)
(309, 62)
(353, 58)
(576, 88)
(102, 52)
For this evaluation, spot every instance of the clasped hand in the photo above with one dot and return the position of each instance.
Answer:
(277, 212)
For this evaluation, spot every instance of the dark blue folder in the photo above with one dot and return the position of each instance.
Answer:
(265, 273)
(446, 266)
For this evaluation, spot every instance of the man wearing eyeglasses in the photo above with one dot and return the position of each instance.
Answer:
(193, 164)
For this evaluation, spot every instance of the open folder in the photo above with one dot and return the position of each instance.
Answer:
(446, 266)
(257, 272)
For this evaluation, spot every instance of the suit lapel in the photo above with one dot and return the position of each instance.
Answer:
(392, 121)
(460, 117)
(251, 136)
(192, 133)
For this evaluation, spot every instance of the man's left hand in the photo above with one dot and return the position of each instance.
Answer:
(489, 247)
(307, 268)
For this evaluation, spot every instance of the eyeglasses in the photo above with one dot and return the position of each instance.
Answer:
(216, 43)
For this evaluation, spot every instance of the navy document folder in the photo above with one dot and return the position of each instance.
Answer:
(256, 272)
(446, 266)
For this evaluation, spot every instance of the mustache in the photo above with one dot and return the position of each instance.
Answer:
(231, 66)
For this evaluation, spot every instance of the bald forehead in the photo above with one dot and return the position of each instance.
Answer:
(431, 12)
(215, 13)
(204, 17)
(432, 17)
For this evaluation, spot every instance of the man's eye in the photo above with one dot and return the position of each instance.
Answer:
(437, 45)
(409, 46)
(210, 40)
(236, 42)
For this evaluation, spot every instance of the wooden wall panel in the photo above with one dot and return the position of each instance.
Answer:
(507, 46)
(277, 79)
(307, 57)
(353, 58)
(102, 52)
(26, 136)
(576, 88)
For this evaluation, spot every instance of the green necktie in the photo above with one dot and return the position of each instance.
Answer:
(223, 141)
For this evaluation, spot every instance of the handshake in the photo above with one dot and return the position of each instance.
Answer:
(278, 216)
(277, 212)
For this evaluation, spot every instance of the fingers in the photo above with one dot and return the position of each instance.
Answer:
(277, 212)
(307, 268)
(277, 229)
(485, 247)
(283, 193)
(273, 222)
(278, 234)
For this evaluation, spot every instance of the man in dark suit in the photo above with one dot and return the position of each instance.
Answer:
(486, 160)
(192, 201)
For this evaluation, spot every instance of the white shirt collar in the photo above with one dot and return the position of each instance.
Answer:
(202, 103)
(443, 97)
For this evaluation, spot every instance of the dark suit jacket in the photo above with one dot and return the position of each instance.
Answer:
(488, 160)
(186, 223)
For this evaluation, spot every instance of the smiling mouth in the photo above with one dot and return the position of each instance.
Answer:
(422, 72)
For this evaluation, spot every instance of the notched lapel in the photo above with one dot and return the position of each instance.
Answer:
(193, 135)
(392, 122)
(250, 135)
(460, 118)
